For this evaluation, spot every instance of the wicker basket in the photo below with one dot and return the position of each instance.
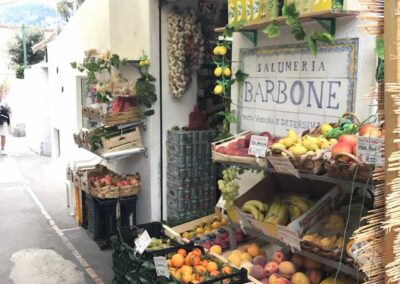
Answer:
(114, 191)
(353, 169)
(308, 163)
(219, 157)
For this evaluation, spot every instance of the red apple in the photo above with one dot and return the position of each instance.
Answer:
(372, 132)
(242, 143)
(341, 147)
(248, 138)
(231, 148)
(350, 139)
(365, 128)
(270, 138)
(221, 149)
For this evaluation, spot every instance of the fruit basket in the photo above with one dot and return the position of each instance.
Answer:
(349, 167)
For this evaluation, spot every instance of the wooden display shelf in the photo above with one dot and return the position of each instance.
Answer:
(342, 267)
(314, 16)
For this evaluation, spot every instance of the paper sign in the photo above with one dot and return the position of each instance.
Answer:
(258, 146)
(244, 221)
(221, 203)
(369, 150)
(289, 237)
(142, 242)
(160, 262)
(283, 165)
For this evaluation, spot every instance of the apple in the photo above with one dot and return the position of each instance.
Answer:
(355, 150)
(270, 138)
(350, 139)
(278, 257)
(366, 128)
(222, 150)
(342, 147)
(372, 132)
(231, 148)
(242, 143)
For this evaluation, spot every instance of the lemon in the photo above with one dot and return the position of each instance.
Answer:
(218, 71)
(227, 72)
(288, 142)
(292, 135)
(218, 89)
(141, 63)
(147, 62)
(325, 128)
(216, 50)
(278, 146)
(222, 50)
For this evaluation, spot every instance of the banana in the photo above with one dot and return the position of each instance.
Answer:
(252, 210)
(273, 211)
(260, 216)
(295, 212)
(300, 203)
(265, 208)
(283, 215)
(255, 203)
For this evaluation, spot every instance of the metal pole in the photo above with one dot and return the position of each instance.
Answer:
(24, 45)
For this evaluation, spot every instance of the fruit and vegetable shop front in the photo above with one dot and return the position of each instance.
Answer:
(278, 138)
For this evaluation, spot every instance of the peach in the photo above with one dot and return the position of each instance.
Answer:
(298, 260)
(287, 269)
(264, 281)
(310, 264)
(314, 276)
(271, 267)
(260, 260)
(273, 278)
(282, 281)
(278, 257)
(257, 272)
(300, 278)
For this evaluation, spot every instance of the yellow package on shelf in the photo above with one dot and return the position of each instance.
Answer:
(259, 9)
(249, 11)
(326, 5)
(272, 9)
(232, 11)
(316, 6)
(241, 10)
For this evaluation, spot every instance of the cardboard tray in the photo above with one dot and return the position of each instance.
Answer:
(326, 196)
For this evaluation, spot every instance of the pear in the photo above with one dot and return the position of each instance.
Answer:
(292, 134)
(288, 141)
(298, 150)
(278, 146)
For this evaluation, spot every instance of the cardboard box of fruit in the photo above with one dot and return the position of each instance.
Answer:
(281, 206)
(235, 149)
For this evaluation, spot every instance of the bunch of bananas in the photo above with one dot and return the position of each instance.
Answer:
(298, 205)
(281, 212)
(256, 208)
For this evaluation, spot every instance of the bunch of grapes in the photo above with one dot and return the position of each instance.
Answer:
(228, 187)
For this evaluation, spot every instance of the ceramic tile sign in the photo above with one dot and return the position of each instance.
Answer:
(289, 88)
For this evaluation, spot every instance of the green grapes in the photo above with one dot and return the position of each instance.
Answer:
(228, 186)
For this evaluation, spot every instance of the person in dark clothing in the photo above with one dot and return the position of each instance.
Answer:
(5, 112)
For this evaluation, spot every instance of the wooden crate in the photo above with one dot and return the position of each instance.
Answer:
(121, 142)
(111, 118)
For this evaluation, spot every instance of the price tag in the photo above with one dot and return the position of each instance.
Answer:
(142, 242)
(221, 203)
(289, 237)
(258, 146)
(369, 150)
(160, 262)
(283, 165)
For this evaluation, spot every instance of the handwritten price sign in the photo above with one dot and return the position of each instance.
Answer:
(258, 145)
(369, 150)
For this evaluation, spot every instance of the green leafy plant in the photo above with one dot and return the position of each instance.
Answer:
(292, 18)
(380, 53)
(145, 95)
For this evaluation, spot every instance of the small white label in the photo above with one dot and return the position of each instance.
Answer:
(142, 242)
(221, 203)
(160, 262)
(244, 221)
(283, 165)
(369, 150)
(258, 146)
(289, 237)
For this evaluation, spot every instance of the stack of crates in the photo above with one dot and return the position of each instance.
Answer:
(191, 175)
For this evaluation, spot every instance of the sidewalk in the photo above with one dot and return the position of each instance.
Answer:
(41, 242)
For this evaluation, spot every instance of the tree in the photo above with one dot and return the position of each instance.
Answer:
(15, 48)
(65, 8)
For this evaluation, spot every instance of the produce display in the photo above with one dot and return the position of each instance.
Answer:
(205, 228)
(113, 180)
(196, 267)
(158, 244)
(228, 186)
(281, 267)
(282, 211)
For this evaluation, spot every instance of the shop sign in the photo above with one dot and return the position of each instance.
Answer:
(289, 88)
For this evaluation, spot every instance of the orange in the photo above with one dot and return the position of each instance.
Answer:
(186, 269)
(197, 252)
(216, 249)
(182, 252)
(200, 269)
(177, 260)
(186, 277)
(226, 270)
(187, 260)
(176, 275)
(215, 273)
(204, 263)
(212, 266)
(253, 250)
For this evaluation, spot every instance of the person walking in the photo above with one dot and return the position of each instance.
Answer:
(5, 112)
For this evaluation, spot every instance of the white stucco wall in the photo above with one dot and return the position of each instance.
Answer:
(6, 35)
(346, 28)
(108, 24)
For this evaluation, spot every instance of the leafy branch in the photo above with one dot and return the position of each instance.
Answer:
(292, 18)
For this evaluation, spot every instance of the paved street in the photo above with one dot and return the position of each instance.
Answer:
(41, 242)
